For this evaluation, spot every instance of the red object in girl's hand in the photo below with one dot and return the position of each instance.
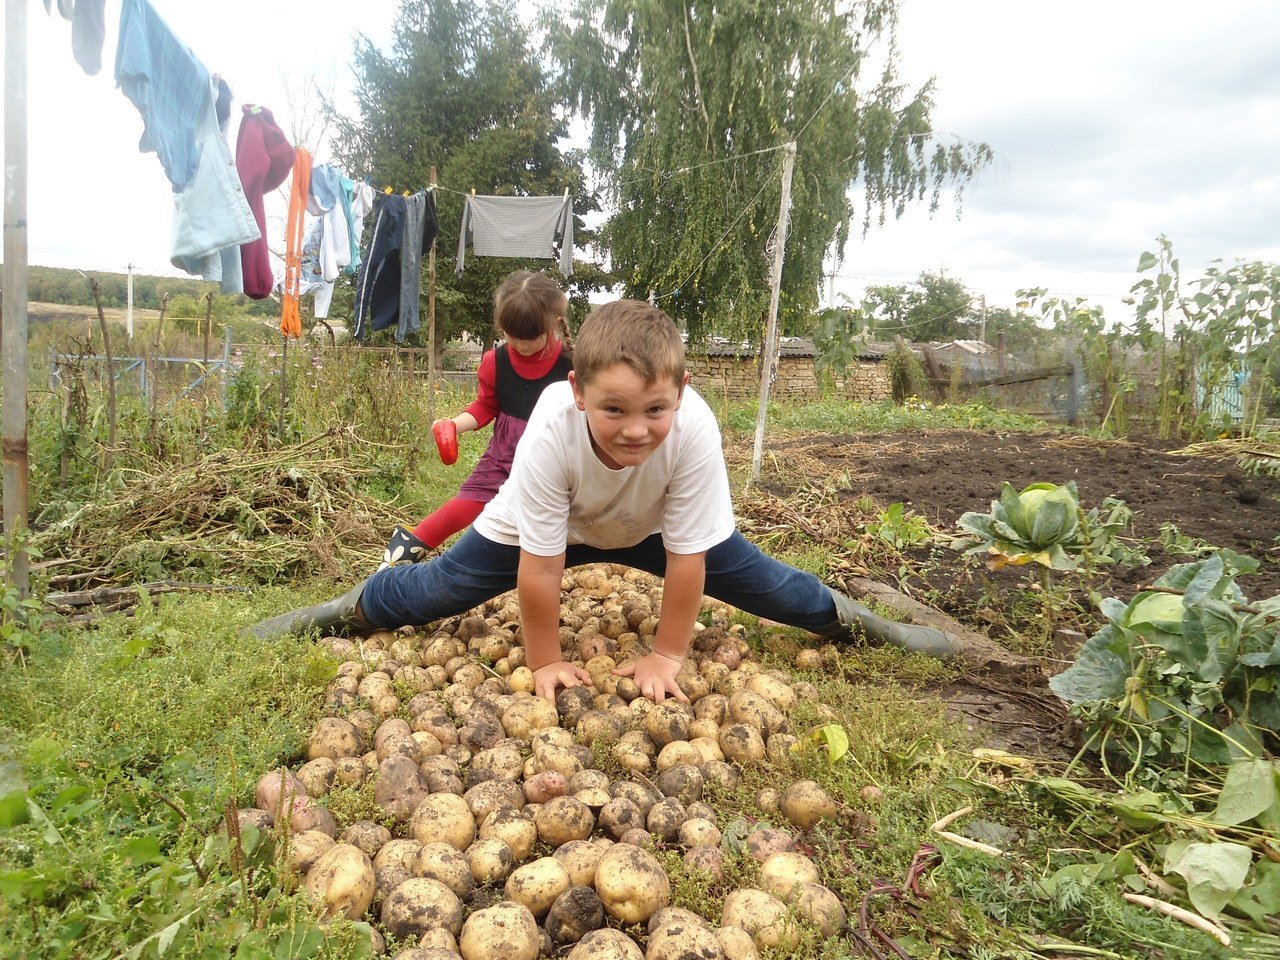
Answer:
(446, 434)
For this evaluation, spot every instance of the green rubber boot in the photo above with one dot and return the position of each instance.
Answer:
(909, 636)
(340, 613)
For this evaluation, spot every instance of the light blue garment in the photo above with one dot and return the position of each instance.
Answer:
(211, 217)
(164, 80)
(353, 228)
(325, 189)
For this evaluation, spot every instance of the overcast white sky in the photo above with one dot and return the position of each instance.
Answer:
(1113, 122)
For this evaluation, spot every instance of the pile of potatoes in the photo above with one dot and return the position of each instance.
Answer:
(508, 842)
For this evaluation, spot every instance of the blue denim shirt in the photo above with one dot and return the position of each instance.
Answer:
(169, 86)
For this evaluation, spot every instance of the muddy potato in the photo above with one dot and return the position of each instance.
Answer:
(374, 684)
(420, 904)
(367, 836)
(742, 744)
(579, 858)
(503, 760)
(446, 817)
(385, 707)
(484, 798)
(606, 944)
(665, 817)
(774, 689)
(312, 818)
(698, 832)
(514, 829)
(318, 775)
(341, 882)
(763, 843)
(504, 931)
(784, 873)
(667, 722)
(637, 838)
(620, 815)
(821, 907)
(706, 860)
(537, 884)
(527, 715)
(719, 773)
(737, 944)
(443, 862)
(394, 727)
(562, 819)
(768, 798)
(575, 913)
(747, 706)
(400, 787)
(306, 848)
(350, 771)
(634, 751)
(489, 859)
(429, 744)
(778, 749)
(334, 737)
(805, 803)
(680, 940)
(763, 916)
(684, 782)
(562, 759)
(677, 752)
(631, 883)
(397, 852)
(642, 796)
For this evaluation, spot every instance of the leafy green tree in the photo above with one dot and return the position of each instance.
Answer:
(461, 89)
(690, 105)
(935, 308)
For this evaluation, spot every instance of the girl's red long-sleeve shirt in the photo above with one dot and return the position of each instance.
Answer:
(485, 407)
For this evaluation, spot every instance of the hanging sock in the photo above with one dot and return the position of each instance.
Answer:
(290, 320)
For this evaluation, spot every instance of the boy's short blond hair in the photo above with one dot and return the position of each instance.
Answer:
(631, 332)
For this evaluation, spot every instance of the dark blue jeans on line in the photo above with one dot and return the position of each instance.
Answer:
(476, 569)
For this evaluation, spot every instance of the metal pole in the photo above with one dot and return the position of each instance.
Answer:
(431, 322)
(14, 407)
(769, 350)
(129, 311)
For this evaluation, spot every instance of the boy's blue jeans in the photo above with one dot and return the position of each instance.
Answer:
(476, 569)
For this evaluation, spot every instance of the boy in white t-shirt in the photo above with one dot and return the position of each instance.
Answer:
(621, 464)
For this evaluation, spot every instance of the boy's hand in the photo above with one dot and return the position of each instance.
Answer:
(655, 675)
(550, 677)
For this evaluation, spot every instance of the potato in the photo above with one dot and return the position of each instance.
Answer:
(742, 744)
(606, 944)
(489, 859)
(400, 787)
(333, 738)
(698, 832)
(679, 940)
(639, 794)
(564, 760)
(367, 835)
(805, 803)
(620, 815)
(527, 716)
(747, 706)
(597, 725)
(631, 883)
(706, 860)
(575, 913)
(763, 916)
(537, 884)
(720, 775)
(634, 751)
(503, 760)
(774, 689)
(394, 727)
(444, 862)
(683, 781)
(311, 817)
(737, 944)
(505, 931)
(784, 873)
(821, 907)
(277, 790)
(514, 829)
(341, 882)
(675, 753)
(588, 779)
(580, 857)
(667, 722)
(446, 817)
(397, 852)
(778, 749)
(763, 843)
(484, 798)
(562, 819)
(420, 904)
(318, 775)
(665, 818)
(306, 848)
(351, 771)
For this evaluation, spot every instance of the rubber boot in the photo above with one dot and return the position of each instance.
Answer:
(403, 547)
(909, 636)
(340, 613)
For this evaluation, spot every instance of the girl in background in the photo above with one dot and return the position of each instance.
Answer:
(529, 310)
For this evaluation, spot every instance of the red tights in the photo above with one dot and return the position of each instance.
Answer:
(452, 516)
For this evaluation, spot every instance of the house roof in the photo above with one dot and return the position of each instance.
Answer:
(797, 347)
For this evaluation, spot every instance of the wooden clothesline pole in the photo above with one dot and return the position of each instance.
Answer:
(431, 320)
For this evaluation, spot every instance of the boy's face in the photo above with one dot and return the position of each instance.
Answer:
(628, 418)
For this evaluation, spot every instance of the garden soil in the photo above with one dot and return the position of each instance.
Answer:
(1206, 494)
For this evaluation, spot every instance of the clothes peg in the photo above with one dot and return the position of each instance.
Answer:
(388, 191)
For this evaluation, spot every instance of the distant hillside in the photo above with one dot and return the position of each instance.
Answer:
(52, 286)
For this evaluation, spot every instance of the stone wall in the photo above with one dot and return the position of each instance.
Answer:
(739, 377)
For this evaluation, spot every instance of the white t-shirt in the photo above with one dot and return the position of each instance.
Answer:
(559, 493)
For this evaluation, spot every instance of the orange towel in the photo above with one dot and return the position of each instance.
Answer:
(290, 321)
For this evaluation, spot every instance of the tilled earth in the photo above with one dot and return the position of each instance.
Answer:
(1207, 495)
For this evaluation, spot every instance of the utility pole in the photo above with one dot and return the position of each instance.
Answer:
(13, 411)
(128, 316)
(982, 326)
(769, 349)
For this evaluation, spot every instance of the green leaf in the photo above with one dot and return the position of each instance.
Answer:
(142, 850)
(1215, 872)
(1146, 261)
(1260, 899)
(1248, 790)
(13, 809)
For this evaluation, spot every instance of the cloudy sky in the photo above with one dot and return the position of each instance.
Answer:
(1113, 122)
